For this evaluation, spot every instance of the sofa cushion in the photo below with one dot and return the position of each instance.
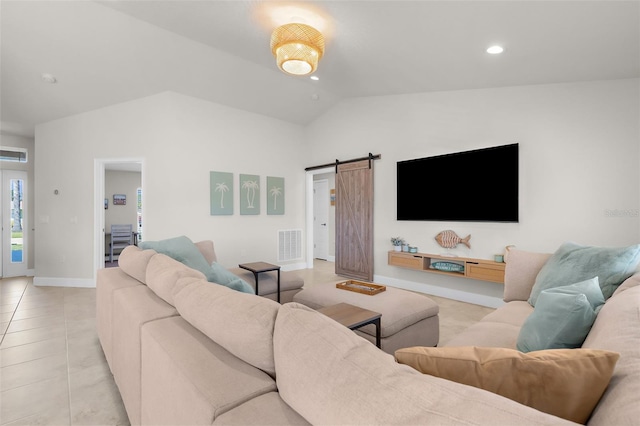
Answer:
(206, 248)
(132, 308)
(514, 313)
(108, 282)
(498, 329)
(188, 379)
(562, 317)
(322, 364)
(632, 281)
(572, 263)
(241, 323)
(563, 382)
(134, 260)
(520, 273)
(264, 410)
(163, 273)
(617, 328)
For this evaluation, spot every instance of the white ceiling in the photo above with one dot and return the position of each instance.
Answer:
(103, 53)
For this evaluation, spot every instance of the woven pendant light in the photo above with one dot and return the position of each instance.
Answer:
(297, 48)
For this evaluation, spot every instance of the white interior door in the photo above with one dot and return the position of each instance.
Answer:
(321, 219)
(14, 223)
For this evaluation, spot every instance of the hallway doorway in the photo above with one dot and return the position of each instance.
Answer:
(119, 189)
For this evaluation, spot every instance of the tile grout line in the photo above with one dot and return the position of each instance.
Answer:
(14, 312)
(66, 342)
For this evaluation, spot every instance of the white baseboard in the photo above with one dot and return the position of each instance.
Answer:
(31, 272)
(64, 282)
(462, 296)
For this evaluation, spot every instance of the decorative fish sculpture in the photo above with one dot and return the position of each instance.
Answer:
(449, 239)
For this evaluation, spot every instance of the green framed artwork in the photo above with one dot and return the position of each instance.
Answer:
(249, 194)
(275, 195)
(221, 197)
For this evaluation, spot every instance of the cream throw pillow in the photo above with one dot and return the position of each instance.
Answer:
(567, 383)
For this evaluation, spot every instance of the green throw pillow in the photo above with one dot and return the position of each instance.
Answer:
(181, 249)
(220, 275)
(562, 318)
(573, 263)
(185, 251)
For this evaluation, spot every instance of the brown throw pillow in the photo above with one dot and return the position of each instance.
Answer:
(567, 383)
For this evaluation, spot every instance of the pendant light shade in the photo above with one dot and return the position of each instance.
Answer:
(297, 48)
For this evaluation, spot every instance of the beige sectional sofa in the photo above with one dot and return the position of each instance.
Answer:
(184, 351)
(616, 328)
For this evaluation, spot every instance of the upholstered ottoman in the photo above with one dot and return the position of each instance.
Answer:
(408, 319)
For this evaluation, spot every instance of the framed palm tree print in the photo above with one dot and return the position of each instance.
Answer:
(221, 189)
(249, 194)
(275, 195)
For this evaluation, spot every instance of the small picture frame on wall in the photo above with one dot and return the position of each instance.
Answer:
(221, 193)
(249, 194)
(119, 199)
(275, 195)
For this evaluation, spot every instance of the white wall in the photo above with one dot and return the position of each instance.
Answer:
(28, 143)
(180, 139)
(579, 152)
(579, 157)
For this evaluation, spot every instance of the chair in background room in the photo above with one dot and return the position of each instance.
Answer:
(121, 236)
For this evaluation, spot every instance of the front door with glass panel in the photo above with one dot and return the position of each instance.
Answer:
(14, 223)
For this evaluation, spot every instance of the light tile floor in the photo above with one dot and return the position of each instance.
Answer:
(53, 370)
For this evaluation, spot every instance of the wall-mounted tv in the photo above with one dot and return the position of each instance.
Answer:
(470, 186)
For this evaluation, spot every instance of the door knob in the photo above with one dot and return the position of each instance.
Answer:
(323, 224)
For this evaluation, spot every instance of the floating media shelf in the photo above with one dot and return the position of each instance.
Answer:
(477, 269)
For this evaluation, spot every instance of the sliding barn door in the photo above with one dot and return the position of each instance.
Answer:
(354, 220)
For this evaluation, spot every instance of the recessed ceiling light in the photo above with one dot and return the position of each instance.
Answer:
(495, 50)
(49, 78)
(314, 78)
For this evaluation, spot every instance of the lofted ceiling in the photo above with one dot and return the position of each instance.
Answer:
(108, 52)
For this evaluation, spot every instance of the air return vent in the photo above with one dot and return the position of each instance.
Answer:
(289, 244)
(17, 155)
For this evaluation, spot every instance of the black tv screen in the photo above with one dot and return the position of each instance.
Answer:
(471, 186)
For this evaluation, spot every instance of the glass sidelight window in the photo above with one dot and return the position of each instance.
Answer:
(16, 219)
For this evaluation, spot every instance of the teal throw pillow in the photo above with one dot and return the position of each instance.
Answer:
(218, 274)
(573, 263)
(562, 318)
(185, 251)
(181, 249)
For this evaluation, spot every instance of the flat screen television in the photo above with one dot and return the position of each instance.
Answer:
(470, 186)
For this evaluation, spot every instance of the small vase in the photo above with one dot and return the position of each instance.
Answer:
(397, 248)
(405, 248)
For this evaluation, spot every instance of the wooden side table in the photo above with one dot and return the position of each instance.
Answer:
(353, 317)
(258, 267)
